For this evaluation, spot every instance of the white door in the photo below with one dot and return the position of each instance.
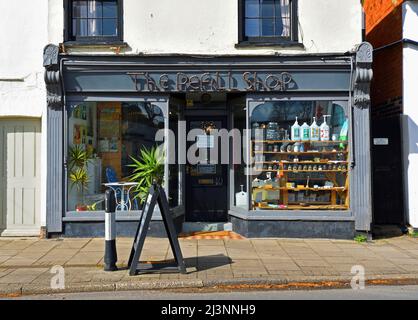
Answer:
(20, 146)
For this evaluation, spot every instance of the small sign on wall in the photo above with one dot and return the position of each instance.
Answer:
(205, 141)
(381, 141)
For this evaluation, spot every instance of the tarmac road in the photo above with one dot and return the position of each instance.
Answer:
(369, 293)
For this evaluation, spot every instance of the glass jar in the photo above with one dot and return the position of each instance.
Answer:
(255, 127)
(272, 131)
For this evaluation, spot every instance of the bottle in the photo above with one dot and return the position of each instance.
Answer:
(344, 134)
(306, 132)
(295, 131)
(241, 198)
(314, 131)
(344, 131)
(324, 129)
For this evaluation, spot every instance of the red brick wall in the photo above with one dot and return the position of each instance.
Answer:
(377, 10)
(384, 26)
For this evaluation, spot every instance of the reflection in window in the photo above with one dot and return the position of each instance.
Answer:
(267, 18)
(300, 156)
(102, 137)
(94, 18)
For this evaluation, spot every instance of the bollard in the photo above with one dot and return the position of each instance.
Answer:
(110, 256)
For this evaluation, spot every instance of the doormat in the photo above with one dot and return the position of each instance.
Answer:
(211, 235)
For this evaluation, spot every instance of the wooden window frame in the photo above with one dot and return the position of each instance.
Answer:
(70, 39)
(261, 41)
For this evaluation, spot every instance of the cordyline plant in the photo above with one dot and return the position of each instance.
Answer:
(77, 165)
(148, 168)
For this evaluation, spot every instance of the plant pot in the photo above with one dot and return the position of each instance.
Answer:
(81, 207)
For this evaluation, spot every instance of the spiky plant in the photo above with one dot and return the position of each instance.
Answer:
(148, 168)
(77, 157)
(79, 178)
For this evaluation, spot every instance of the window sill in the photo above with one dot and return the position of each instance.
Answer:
(95, 44)
(248, 44)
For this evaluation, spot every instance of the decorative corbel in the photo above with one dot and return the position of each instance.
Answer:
(363, 75)
(52, 76)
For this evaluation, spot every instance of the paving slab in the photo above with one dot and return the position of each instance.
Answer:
(22, 275)
(213, 261)
(86, 258)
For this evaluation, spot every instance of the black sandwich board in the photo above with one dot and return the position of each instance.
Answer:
(156, 195)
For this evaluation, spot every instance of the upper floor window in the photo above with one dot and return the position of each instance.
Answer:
(94, 20)
(268, 20)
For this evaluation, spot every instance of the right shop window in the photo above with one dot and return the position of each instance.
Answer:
(300, 156)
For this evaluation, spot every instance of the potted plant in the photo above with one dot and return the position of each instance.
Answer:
(78, 175)
(148, 168)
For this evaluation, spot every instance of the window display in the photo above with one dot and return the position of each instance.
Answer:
(102, 138)
(300, 156)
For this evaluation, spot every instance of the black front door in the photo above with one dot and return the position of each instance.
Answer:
(206, 181)
(388, 204)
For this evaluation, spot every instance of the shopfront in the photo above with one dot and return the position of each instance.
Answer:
(278, 146)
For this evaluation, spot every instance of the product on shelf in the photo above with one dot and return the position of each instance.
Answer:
(295, 131)
(314, 130)
(306, 132)
(324, 129)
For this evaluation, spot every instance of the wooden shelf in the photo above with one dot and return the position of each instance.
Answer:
(302, 171)
(301, 162)
(291, 141)
(301, 153)
(301, 189)
(299, 207)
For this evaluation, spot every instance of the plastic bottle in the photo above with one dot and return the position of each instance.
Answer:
(344, 131)
(314, 130)
(306, 132)
(324, 129)
(295, 133)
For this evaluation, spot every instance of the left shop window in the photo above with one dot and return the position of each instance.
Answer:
(102, 139)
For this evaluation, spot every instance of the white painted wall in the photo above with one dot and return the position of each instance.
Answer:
(211, 27)
(410, 123)
(23, 34)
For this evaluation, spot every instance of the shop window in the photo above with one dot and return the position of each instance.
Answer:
(94, 20)
(102, 139)
(299, 156)
(268, 21)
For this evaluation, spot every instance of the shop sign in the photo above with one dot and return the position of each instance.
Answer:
(211, 81)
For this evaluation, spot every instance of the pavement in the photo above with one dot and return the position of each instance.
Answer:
(26, 265)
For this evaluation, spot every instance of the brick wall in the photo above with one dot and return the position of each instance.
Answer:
(384, 26)
(377, 10)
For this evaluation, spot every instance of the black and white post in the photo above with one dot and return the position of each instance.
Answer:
(110, 256)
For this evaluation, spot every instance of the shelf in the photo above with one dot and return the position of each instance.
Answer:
(291, 141)
(299, 207)
(301, 153)
(301, 189)
(301, 162)
(302, 171)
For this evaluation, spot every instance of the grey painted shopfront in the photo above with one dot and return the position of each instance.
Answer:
(114, 105)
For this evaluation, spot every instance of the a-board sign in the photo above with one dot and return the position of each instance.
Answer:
(156, 195)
